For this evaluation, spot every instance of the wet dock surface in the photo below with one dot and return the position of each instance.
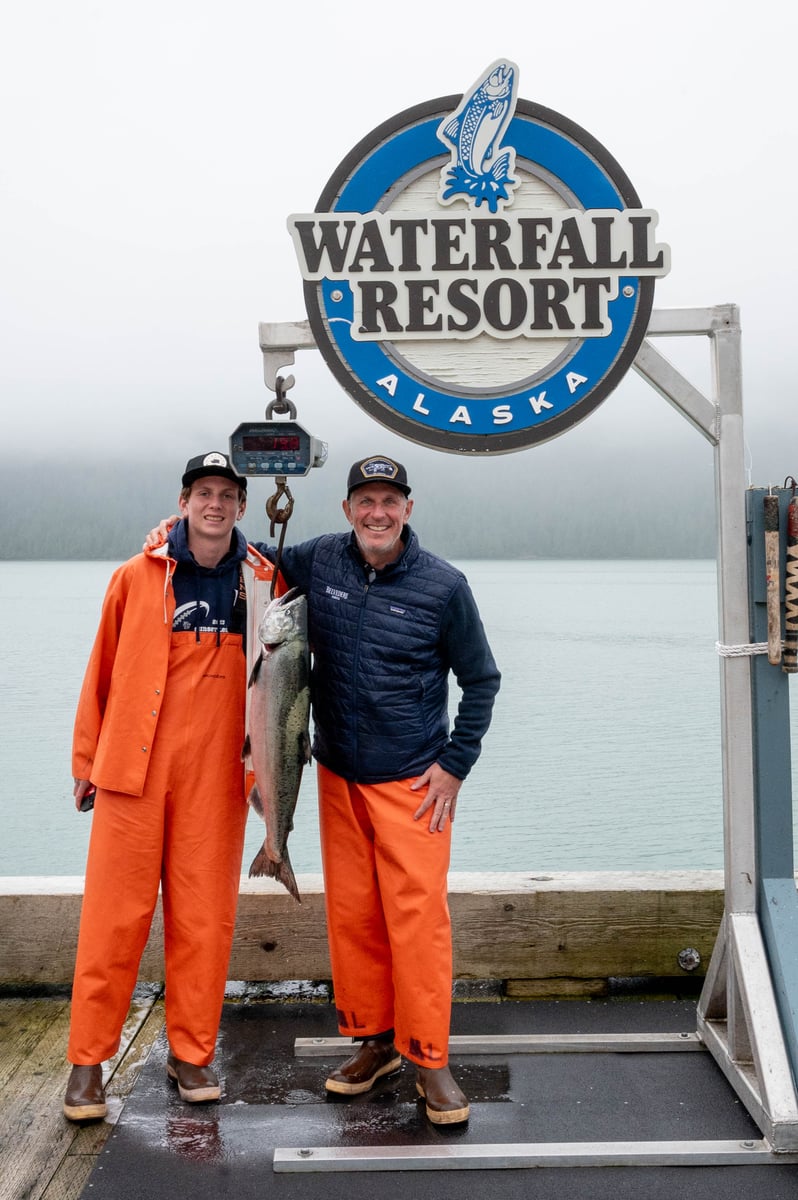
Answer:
(274, 1100)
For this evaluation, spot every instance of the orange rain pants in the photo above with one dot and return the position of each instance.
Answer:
(387, 915)
(186, 833)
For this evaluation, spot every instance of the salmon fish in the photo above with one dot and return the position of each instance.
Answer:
(278, 740)
(477, 171)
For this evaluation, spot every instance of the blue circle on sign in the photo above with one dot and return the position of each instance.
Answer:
(421, 407)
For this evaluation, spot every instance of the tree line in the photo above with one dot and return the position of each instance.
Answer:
(508, 509)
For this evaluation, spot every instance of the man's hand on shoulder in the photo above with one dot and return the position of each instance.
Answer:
(158, 536)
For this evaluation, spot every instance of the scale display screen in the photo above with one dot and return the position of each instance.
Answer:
(271, 442)
(271, 448)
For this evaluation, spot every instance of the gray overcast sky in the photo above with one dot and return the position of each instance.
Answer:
(151, 152)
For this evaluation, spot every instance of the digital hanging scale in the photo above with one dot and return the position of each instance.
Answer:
(271, 448)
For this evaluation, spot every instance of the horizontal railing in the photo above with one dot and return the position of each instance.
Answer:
(541, 933)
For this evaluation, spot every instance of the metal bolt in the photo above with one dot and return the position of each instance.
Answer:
(337, 295)
(304, 1153)
(628, 291)
(689, 958)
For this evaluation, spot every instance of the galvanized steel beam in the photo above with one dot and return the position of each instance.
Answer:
(512, 1155)
(527, 1043)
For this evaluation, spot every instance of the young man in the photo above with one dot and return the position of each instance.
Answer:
(159, 731)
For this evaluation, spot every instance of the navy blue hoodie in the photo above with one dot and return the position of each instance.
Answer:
(208, 599)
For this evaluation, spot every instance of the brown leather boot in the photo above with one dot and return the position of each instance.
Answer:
(84, 1099)
(374, 1057)
(196, 1085)
(446, 1104)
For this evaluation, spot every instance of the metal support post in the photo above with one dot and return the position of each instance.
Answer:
(738, 1017)
(742, 1016)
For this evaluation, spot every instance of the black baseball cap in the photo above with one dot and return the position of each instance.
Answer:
(213, 463)
(377, 469)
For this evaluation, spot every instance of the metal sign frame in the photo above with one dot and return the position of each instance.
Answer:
(745, 1012)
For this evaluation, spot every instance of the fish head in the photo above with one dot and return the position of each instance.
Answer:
(285, 618)
(499, 83)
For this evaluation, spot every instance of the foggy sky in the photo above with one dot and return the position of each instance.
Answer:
(151, 153)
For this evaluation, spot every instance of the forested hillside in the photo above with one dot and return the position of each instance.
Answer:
(518, 506)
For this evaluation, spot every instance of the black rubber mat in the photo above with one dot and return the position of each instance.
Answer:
(164, 1148)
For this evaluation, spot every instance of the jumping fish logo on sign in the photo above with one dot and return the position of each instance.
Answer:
(479, 272)
(477, 171)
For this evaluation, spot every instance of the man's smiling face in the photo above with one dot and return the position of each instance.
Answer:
(212, 507)
(378, 512)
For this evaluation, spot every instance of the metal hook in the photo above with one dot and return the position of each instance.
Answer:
(279, 516)
(791, 480)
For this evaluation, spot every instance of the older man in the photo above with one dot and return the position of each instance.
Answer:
(389, 622)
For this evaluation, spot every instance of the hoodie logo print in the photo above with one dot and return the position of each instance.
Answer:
(186, 615)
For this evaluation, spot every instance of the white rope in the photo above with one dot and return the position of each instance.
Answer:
(741, 651)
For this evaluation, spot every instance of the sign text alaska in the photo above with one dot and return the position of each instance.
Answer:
(479, 274)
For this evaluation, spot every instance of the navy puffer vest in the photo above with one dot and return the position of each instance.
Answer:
(380, 685)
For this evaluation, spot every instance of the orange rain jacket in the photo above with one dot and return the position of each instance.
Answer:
(120, 700)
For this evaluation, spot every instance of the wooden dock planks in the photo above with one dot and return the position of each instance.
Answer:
(42, 1155)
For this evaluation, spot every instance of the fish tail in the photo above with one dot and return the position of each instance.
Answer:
(282, 871)
(261, 863)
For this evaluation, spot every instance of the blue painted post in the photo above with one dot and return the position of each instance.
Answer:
(777, 900)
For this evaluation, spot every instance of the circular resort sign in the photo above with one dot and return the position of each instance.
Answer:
(479, 274)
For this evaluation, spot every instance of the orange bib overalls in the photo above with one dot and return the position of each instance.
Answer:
(184, 834)
(385, 883)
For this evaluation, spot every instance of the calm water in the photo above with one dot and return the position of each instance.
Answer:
(604, 753)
